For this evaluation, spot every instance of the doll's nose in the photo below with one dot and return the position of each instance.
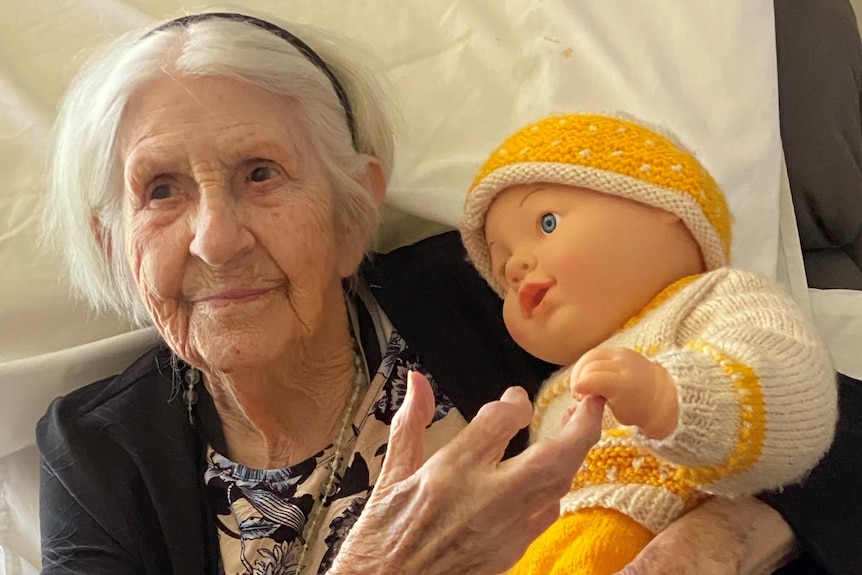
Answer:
(518, 266)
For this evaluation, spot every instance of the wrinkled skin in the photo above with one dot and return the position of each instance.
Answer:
(721, 537)
(463, 511)
(231, 240)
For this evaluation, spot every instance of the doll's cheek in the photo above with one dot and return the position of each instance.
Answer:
(515, 323)
(569, 264)
(512, 322)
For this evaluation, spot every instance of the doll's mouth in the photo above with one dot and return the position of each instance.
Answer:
(531, 296)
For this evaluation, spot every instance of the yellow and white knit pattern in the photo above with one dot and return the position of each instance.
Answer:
(757, 401)
(606, 154)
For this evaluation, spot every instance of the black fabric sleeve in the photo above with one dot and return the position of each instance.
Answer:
(825, 510)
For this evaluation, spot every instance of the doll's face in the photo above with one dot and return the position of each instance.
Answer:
(576, 264)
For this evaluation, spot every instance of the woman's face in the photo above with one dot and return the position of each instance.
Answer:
(228, 219)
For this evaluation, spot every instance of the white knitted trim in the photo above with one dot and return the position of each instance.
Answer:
(480, 198)
(653, 507)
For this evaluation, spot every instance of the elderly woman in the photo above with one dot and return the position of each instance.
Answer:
(221, 179)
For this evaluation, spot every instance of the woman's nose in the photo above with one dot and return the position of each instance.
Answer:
(518, 266)
(220, 235)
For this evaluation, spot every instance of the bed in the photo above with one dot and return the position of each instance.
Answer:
(463, 75)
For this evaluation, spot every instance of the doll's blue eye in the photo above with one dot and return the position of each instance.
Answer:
(548, 222)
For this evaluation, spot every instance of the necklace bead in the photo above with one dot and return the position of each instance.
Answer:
(192, 377)
(190, 396)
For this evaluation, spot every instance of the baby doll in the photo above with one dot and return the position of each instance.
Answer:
(609, 244)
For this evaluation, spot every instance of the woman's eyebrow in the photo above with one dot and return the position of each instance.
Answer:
(146, 162)
(257, 147)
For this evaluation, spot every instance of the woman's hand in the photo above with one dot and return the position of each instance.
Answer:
(721, 537)
(464, 511)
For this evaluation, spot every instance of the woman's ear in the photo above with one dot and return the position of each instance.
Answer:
(101, 236)
(374, 180)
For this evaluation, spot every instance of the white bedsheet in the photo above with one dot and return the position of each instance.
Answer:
(465, 74)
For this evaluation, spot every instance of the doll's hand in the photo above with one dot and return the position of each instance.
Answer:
(639, 391)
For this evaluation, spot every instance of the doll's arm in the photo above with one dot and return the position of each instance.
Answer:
(638, 391)
(756, 391)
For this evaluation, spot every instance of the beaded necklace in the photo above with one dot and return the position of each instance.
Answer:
(360, 381)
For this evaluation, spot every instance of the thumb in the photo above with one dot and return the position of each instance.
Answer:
(405, 452)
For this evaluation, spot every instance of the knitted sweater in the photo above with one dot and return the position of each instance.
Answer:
(757, 401)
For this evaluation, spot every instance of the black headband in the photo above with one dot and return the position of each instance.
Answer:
(301, 46)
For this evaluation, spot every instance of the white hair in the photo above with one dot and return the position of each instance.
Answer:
(83, 212)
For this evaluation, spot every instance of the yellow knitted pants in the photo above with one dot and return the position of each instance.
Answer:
(585, 542)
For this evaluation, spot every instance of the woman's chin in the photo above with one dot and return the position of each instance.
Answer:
(237, 337)
(237, 349)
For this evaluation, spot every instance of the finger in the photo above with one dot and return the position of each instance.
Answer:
(582, 431)
(595, 354)
(570, 411)
(486, 437)
(597, 362)
(546, 468)
(516, 395)
(583, 361)
(604, 383)
(604, 365)
(405, 452)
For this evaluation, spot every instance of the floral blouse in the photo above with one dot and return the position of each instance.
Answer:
(261, 515)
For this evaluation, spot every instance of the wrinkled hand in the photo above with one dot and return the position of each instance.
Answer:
(639, 391)
(464, 511)
(721, 537)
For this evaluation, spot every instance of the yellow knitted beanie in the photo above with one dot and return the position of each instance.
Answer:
(607, 154)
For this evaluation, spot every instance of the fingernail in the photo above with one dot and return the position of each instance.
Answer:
(594, 404)
(410, 383)
(597, 403)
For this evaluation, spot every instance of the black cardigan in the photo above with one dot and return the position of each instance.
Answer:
(122, 484)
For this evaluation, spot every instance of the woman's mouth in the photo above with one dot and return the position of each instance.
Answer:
(532, 295)
(232, 296)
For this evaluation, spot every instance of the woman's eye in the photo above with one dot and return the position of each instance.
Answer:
(548, 222)
(161, 192)
(260, 174)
